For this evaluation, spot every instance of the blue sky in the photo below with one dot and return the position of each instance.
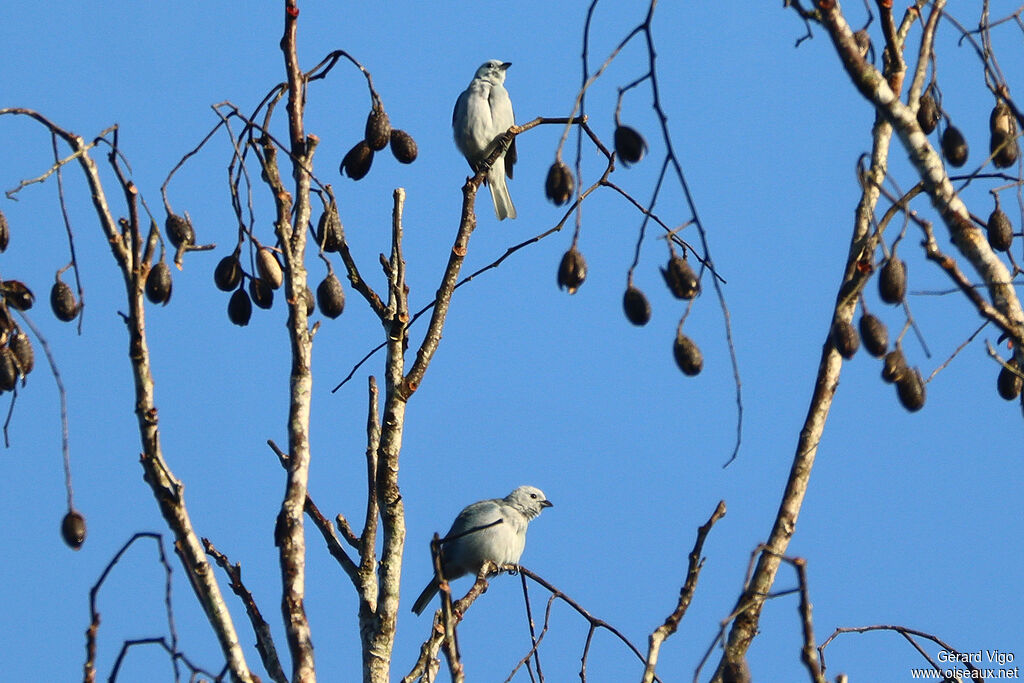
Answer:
(911, 519)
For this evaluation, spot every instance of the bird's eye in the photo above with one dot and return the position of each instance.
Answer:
(533, 495)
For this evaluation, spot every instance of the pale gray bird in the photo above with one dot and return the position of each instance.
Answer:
(482, 113)
(492, 530)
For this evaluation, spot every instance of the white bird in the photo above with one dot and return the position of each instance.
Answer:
(482, 113)
(492, 530)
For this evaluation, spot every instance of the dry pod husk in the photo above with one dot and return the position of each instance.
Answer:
(21, 346)
(8, 370)
(680, 278)
(845, 339)
(636, 305)
(629, 145)
(894, 366)
(179, 230)
(357, 161)
(572, 271)
(1009, 382)
(261, 293)
(330, 296)
(403, 146)
(378, 128)
(688, 356)
(5, 232)
(1000, 231)
(874, 335)
(892, 281)
(910, 389)
(328, 229)
(228, 273)
(307, 298)
(62, 301)
(72, 529)
(928, 114)
(240, 308)
(17, 295)
(269, 268)
(1004, 149)
(954, 146)
(159, 284)
(559, 185)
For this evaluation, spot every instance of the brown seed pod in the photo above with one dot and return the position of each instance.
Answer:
(307, 298)
(629, 145)
(17, 295)
(1000, 231)
(403, 146)
(636, 305)
(680, 278)
(894, 366)
(874, 335)
(8, 369)
(954, 146)
(378, 128)
(1009, 383)
(179, 230)
(1001, 119)
(72, 529)
(844, 339)
(356, 163)
(269, 268)
(5, 232)
(240, 308)
(1004, 149)
(328, 229)
(330, 296)
(688, 356)
(62, 301)
(559, 185)
(572, 271)
(928, 113)
(159, 284)
(910, 389)
(228, 273)
(25, 357)
(261, 293)
(892, 281)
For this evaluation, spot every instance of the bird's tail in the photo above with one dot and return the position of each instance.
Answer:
(503, 207)
(428, 593)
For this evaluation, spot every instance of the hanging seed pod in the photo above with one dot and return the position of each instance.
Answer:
(1000, 231)
(680, 278)
(1004, 149)
(328, 229)
(307, 298)
(688, 356)
(894, 366)
(892, 281)
(403, 146)
(240, 308)
(179, 230)
(910, 389)
(636, 305)
(24, 356)
(1001, 119)
(928, 114)
(8, 370)
(330, 296)
(158, 284)
(629, 145)
(874, 335)
(356, 163)
(72, 529)
(261, 293)
(559, 185)
(269, 268)
(954, 146)
(17, 295)
(378, 128)
(62, 301)
(1009, 382)
(844, 339)
(572, 271)
(228, 273)
(5, 232)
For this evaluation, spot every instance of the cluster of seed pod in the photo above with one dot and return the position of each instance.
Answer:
(1003, 144)
(377, 135)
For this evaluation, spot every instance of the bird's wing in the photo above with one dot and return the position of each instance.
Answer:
(504, 118)
(478, 514)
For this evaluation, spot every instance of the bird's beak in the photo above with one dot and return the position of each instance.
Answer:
(546, 504)
(505, 66)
